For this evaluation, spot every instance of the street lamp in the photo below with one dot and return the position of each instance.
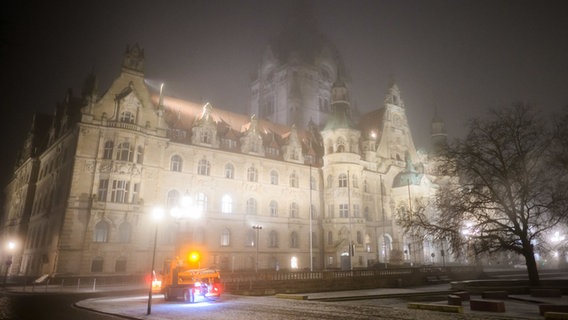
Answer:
(10, 246)
(157, 214)
(257, 228)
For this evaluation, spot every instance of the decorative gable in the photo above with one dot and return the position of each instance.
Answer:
(204, 130)
(292, 150)
(251, 142)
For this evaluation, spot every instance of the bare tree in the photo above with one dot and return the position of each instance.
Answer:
(506, 191)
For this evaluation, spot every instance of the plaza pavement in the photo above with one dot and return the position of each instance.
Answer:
(517, 306)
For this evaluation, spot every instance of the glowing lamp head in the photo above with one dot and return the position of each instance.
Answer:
(194, 256)
(158, 213)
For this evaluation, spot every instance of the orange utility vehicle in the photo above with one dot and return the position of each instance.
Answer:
(181, 279)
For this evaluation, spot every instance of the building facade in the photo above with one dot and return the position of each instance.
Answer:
(299, 183)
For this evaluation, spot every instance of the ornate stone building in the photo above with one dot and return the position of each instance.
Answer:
(90, 175)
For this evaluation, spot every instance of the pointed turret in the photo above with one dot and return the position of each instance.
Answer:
(438, 135)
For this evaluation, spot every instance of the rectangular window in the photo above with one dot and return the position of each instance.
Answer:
(356, 211)
(119, 192)
(136, 193)
(103, 190)
(343, 210)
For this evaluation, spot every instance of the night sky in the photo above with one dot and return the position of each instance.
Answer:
(459, 57)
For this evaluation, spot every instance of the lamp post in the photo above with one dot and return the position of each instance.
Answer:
(257, 228)
(10, 246)
(157, 214)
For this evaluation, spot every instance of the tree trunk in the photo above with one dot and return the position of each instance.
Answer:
(532, 269)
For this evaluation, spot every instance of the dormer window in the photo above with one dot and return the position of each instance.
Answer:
(127, 117)
(205, 137)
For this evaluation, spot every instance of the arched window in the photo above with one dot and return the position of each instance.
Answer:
(139, 154)
(226, 204)
(273, 208)
(273, 239)
(176, 163)
(294, 210)
(294, 239)
(252, 174)
(124, 232)
(173, 199)
(343, 180)
(225, 238)
(229, 171)
(124, 152)
(251, 206)
(107, 152)
(274, 177)
(294, 180)
(203, 167)
(101, 234)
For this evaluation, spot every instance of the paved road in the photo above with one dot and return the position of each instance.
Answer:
(272, 307)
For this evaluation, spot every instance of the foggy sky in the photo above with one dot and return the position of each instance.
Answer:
(459, 57)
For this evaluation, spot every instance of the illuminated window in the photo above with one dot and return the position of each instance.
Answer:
(294, 263)
(176, 163)
(227, 204)
(225, 237)
(101, 233)
(203, 167)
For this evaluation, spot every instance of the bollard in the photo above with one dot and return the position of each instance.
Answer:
(94, 284)
(78, 283)
(62, 282)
